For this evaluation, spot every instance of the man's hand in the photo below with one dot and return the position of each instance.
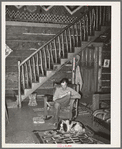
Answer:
(68, 93)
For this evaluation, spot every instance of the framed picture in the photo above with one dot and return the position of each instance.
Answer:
(106, 63)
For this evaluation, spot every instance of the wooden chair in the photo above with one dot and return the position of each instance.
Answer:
(69, 112)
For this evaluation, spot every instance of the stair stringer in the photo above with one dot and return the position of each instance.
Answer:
(57, 67)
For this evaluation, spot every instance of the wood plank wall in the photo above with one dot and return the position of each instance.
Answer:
(96, 77)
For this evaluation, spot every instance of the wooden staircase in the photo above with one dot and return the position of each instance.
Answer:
(43, 64)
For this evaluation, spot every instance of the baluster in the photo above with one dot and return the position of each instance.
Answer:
(41, 66)
(19, 85)
(73, 36)
(90, 23)
(80, 33)
(86, 56)
(67, 46)
(70, 40)
(76, 27)
(62, 52)
(84, 29)
(93, 20)
(48, 57)
(37, 64)
(59, 41)
(34, 72)
(23, 77)
(26, 75)
(45, 59)
(97, 27)
(86, 25)
(100, 17)
(51, 53)
(83, 58)
(30, 73)
(55, 51)
(90, 57)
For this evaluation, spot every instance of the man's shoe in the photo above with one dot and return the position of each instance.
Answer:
(48, 117)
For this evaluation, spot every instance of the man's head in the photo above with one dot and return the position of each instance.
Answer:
(64, 83)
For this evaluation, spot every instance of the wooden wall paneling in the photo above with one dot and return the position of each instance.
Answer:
(90, 69)
(106, 89)
(106, 82)
(83, 75)
(81, 66)
(83, 70)
(86, 70)
(92, 80)
(96, 58)
(100, 70)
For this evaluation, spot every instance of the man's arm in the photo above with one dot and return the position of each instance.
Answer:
(74, 94)
(56, 94)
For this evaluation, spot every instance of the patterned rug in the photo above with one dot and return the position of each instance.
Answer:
(54, 137)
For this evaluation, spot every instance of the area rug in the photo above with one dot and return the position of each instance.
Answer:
(54, 137)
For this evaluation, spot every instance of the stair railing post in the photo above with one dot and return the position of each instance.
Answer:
(19, 86)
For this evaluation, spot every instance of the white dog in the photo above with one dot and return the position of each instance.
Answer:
(67, 126)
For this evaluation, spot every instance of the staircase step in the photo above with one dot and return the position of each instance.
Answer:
(66, 68)
(57, 74)
(56, 66)
(77, 49)
(33, 84)
(70, 55)
(48, 72)
(90, 37)
(29, 91)
(41, 79)
(63, 61)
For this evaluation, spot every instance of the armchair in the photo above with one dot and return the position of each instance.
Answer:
(69, 112)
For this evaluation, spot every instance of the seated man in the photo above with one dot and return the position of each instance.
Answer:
(62, 97)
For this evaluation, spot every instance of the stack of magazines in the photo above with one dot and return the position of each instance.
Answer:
(38, 120)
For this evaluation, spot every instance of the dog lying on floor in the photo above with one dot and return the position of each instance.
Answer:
(68, 126)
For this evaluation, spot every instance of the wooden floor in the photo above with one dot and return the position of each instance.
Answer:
(21, 124)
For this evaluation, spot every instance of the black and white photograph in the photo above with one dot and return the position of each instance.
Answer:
(60, 74)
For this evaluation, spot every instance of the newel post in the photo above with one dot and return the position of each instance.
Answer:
(19, 86)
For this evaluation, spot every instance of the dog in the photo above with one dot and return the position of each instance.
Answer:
(73, 127)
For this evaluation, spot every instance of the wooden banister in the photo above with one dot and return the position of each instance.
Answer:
(60, 45)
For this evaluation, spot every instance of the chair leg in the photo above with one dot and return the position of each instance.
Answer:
(76, 109)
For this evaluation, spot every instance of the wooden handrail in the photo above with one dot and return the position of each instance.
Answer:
(59, 46)
(54, 38)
